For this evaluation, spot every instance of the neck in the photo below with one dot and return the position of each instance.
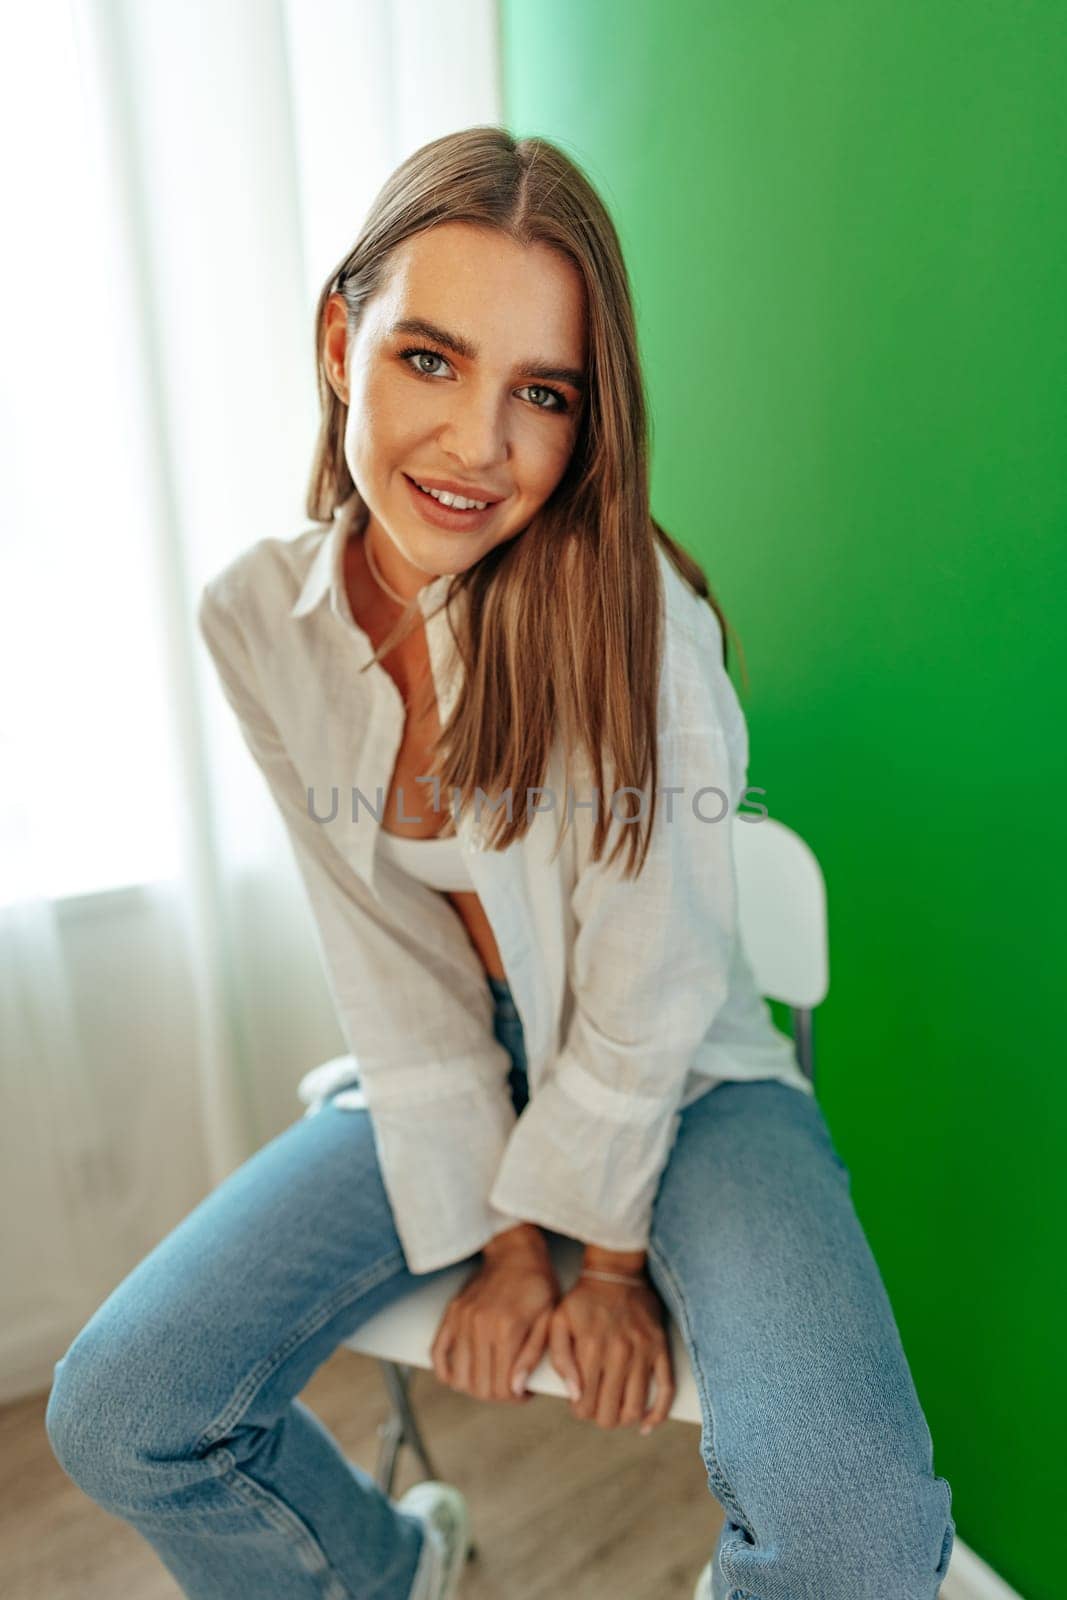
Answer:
(400, 591)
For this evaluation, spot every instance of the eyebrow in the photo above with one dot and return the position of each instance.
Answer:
(463, 347)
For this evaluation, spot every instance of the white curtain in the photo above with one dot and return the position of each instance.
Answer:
(180, 177)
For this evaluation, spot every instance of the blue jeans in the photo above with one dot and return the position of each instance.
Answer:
(175, 1406)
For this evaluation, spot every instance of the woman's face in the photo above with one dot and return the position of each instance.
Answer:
(482, 392)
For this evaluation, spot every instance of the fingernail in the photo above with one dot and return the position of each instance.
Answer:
(573, 1389)
(646, 1428)
(518, 1382)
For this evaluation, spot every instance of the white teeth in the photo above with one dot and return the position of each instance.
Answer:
(455, 500)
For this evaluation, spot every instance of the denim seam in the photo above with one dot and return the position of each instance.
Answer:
(947, 1542)
(681, 1312)
(238, 1403)
(728, 1549)
(282, 1517)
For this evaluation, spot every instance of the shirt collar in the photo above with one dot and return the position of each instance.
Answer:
(325, 576)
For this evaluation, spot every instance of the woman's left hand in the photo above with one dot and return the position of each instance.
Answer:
(493, 1333)
(605, 1340)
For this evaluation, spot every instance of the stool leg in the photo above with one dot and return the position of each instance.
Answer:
(390, 1435)
(401, 1428)
(804, 1039)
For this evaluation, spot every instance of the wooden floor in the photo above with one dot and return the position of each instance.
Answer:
(558, 1507)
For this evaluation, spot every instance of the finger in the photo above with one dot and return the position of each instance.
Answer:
(530, 1351)
(561, 1352)
(589, 1354)
(462, 1358)
(500, 1353)
(481, 1358)
(661, 1371)
(635, 1394)
(440, 1350)
(503, 1350)
(613, 1375)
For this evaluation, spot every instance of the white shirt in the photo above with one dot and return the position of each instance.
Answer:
(635, 995)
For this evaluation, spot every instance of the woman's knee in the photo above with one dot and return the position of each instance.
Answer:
(106, 1417)
(84, 1416)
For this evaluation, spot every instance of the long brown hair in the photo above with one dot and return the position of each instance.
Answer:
(562, 631)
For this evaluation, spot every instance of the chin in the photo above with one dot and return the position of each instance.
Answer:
(437, 553)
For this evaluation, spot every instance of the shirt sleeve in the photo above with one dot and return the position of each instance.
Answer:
(649, 971)
(419, 1026)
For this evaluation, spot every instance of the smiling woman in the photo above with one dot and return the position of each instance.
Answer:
(593, 1058)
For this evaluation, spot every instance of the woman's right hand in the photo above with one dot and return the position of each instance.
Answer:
(495, 1330)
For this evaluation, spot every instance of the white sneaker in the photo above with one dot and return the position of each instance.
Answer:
(703, 1588)
(443, 1510)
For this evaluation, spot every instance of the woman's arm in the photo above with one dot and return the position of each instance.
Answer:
(416, 1015)
(649, 971)
(520, 1238)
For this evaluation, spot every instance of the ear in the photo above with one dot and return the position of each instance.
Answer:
(335, 345)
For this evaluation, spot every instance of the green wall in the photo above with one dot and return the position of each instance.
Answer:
(847, 231)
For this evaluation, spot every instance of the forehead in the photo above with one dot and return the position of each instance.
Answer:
(482, 284)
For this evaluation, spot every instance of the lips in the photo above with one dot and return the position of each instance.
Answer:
(451, 486)
(448, 517)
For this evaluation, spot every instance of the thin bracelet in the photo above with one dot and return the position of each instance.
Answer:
(611, 1277)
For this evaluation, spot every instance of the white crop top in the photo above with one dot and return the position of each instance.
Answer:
(438, 863)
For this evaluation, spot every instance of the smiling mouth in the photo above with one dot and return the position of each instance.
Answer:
(474, 504)
(449, 518)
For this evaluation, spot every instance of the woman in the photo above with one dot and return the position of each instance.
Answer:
(553, 1025)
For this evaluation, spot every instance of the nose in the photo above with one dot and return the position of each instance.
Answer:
(476, 433)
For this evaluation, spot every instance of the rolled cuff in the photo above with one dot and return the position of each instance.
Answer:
(437, 1160)
(571, 1166)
